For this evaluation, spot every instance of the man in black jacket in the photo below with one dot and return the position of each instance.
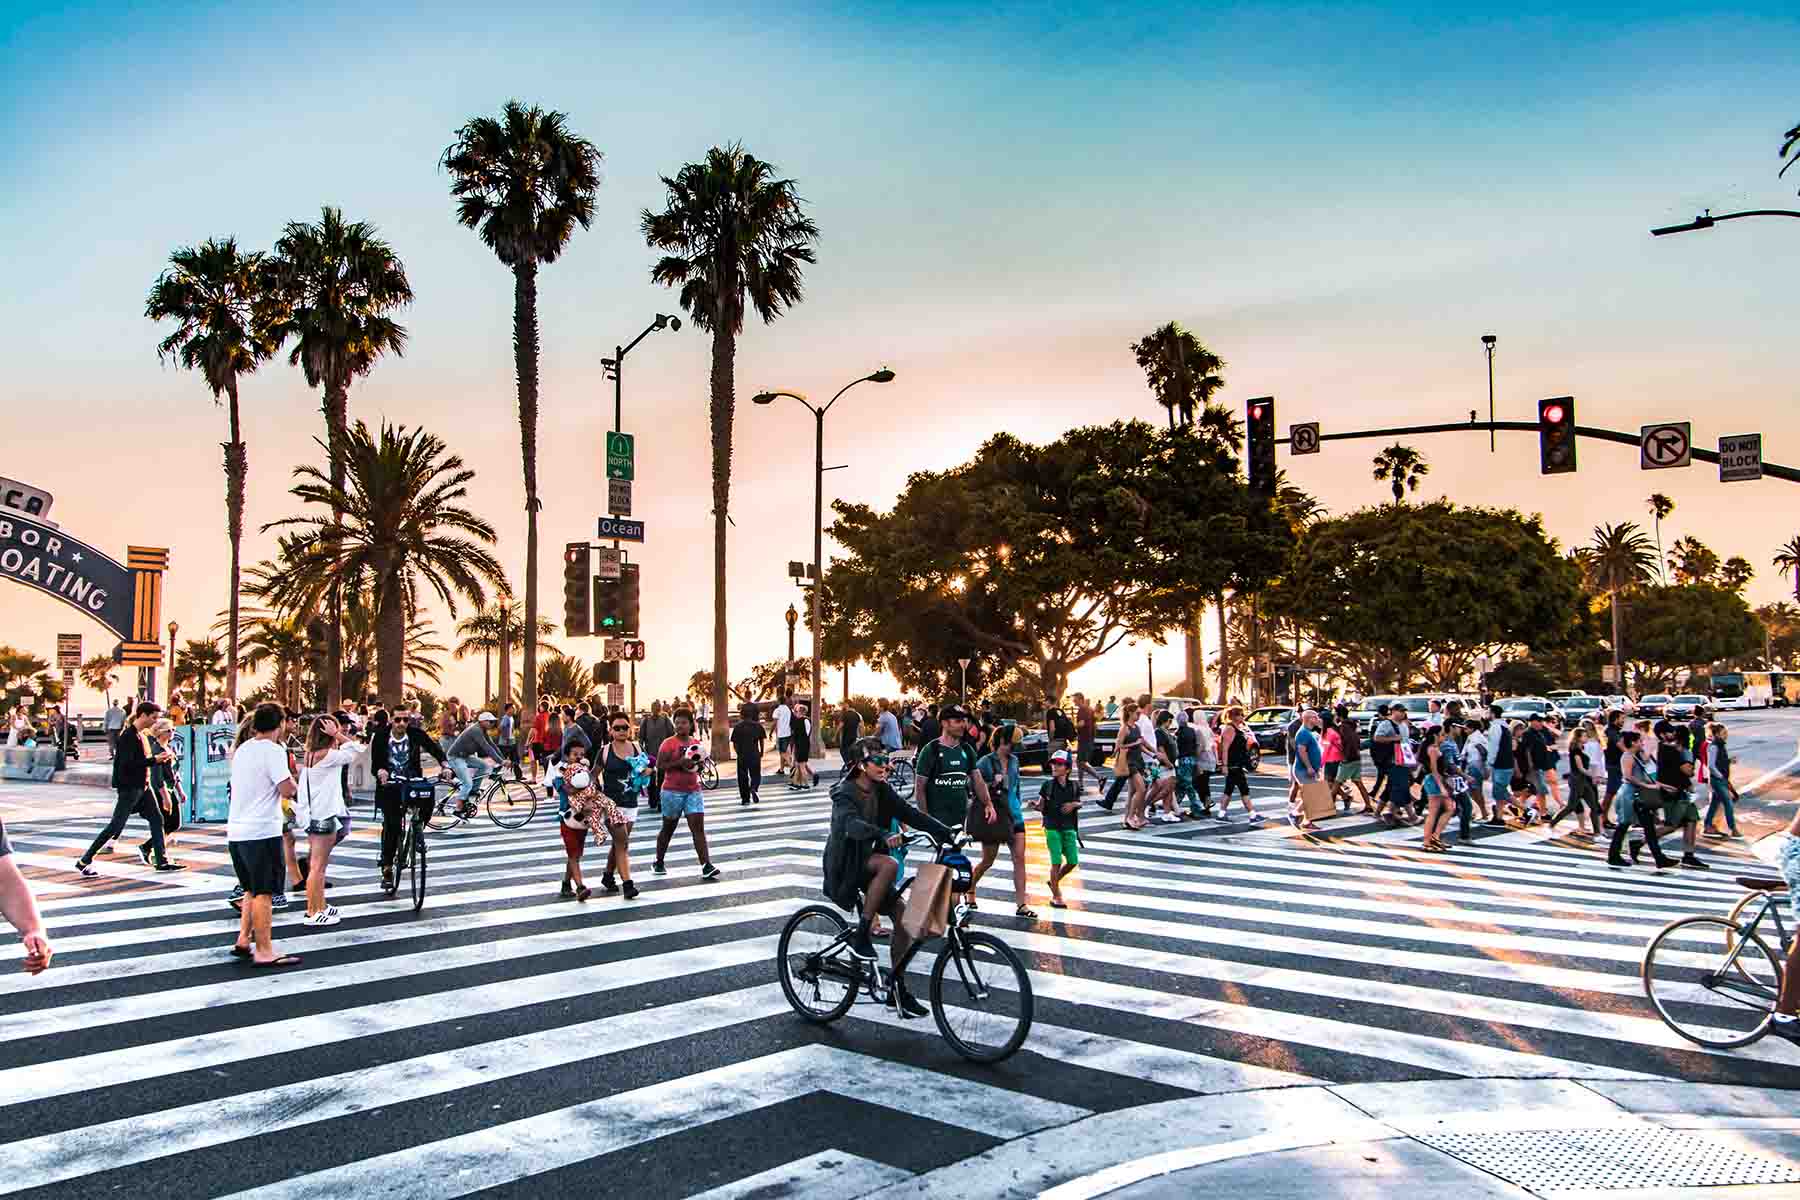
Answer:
(131, 780)
(394, 755)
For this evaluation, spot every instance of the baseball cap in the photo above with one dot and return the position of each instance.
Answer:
(1061, 756)
(955, 712)
(487, 716)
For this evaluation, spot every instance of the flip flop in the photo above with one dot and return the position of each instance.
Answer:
(241, 952)
(1058, 904)
(286, 960)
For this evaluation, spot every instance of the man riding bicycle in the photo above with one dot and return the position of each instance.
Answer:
(858, 855)
(471, 753)
(395, 753)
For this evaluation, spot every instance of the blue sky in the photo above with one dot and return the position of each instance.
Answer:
(1338, 199)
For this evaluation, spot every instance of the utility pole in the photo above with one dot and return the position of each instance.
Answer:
(1487, 344)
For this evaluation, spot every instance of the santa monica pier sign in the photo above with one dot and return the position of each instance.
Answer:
(125, 597)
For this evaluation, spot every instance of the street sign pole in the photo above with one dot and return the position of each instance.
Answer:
(964, 664)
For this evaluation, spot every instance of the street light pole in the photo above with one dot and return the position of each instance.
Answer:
(1487, 343)
(964, 664)
(1150, 672)
(1706, 220)
(173, 630)
(505, 651)
(884, 375)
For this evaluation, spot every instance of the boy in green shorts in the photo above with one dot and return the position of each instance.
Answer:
(1060, 802)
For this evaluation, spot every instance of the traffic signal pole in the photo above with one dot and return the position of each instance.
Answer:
(1774, 470)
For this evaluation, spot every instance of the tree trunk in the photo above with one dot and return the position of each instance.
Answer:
(525, 356)
(1195, 654)
(724, 356)
(1618, 647)
(1224, 654)
(390, 637)
(487, 676)
(236, 468)
(337, 425)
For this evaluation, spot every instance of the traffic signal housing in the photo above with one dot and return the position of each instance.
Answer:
(577, 571)
(1259, 444)
(1556, 436)
(606, 672)
(628, 600)
(607, 619)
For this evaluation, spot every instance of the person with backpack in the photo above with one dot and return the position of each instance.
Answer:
(945, 775)
(1717, 757)
(1059, 799)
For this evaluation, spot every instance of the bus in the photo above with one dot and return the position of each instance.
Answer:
(1745, 689)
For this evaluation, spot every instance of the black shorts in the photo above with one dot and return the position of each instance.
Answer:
(259, 866)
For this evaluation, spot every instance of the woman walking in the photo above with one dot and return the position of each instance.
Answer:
(625, 774)
(539, 741)
(802, 727)
(1234, 750)
(1640, 798)
(1206, 761)
(1718, 771)
(1001, 771)
(322, 810)
(1439, 768)
(1587, 768)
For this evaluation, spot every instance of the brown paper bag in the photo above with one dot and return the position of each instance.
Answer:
(1316, 802)
(927, 912)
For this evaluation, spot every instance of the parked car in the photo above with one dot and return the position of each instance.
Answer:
(1032, 747)
(1269, 727)
(1565, 694)
(1681, 708)
(1581, 707)
(1523, 708)
(1653, 705)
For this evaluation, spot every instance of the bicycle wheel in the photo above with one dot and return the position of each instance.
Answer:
(981, 997)
(418, 869)
(819, 975)
(709, 776)
(900, 775)
(1715, 998)
(511, 803)
(442, 814)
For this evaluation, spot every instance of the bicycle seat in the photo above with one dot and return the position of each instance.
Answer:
(1758, 883)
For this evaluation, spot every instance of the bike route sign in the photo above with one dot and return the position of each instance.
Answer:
(1740, 457)
(1670, 444)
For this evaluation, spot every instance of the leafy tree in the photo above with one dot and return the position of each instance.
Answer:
(17, 667)
(1036, 560)
(199, 662)
(1659, 506)
(1384, 589)
(523, 183)
(1781, 626)
(1692, 561)
(277, 641)
(1787, 561)
(333, 287)
(733, 238)
(98, 672)
(403, 526)
(496, 626)
(1183, 374)
(1519, 677)
(1618, 558)
(1687, 625)
(562, 676)
(1402, 467)
(1790, 150)
(214, 295)
(1735, 573)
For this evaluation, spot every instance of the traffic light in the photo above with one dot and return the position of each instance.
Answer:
(606, 672)
(1556, 436)
(628, 599)
(576, 573)
(1259, 444)
(608, 621)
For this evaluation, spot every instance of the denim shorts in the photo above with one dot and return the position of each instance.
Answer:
(1789, 861)
(675, 804)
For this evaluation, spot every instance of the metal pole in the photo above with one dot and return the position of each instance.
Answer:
(818, 744)
(173, 627)
(965, 683)
(1150, 673)
(632, 707)
(1489, 347)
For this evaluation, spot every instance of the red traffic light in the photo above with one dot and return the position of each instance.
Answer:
(1554, 414)
(1256, 412)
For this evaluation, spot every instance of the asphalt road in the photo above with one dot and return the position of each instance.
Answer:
(506, 1042)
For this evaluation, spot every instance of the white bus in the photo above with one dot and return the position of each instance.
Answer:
(1743, 689)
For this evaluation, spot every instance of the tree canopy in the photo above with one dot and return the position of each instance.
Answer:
(1688, 625)
(1387, 590)
(1034, 560)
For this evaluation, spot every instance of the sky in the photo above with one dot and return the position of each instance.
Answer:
(1338, 200)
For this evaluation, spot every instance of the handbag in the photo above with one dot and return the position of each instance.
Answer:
(981, 830)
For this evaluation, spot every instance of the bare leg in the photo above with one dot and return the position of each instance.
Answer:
(318, 854)
(293, 864)
(1016, 852)
(697, 826)
(662, 837)
(261, 917)
(878, 878)
(989, 852)
(619, 858)
(574, 870)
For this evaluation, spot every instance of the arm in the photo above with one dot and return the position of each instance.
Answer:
(665, 757)
(21, 910)
(982, 794)
(912, 818)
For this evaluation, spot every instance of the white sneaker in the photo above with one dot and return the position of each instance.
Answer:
(333, 910)
(321, 918)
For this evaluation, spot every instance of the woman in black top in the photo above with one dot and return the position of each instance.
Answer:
(802, 776)
(620, 782)
(748, 739)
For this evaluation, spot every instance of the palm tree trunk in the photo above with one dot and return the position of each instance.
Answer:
(236, 468)
(525, 361)
(337, 425)
(1224, 655)
(724, 363)
(487, 675)
(390, 638)
(1196, 657)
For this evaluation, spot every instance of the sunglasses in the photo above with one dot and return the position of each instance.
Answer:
(876, 760)
(621, 729)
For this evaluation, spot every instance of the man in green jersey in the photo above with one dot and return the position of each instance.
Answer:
(946, 772)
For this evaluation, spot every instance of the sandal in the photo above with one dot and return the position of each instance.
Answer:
(1058, 904)
(286, 960)
(1026, 911)
(241, 952)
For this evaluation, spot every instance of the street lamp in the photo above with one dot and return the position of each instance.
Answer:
(1706, 220)
(614, 366)
(506, 651)
(173, 630)
(1487, 344)
(884, 375)
(793, 618)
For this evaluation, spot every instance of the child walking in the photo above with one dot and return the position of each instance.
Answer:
(1060, 801)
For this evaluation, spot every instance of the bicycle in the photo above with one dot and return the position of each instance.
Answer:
(901, 776)
(709, 773)
(1720, 1003)
(984, 1011)
(410, 856)
(510, 803)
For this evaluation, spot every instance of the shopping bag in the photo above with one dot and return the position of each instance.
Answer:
(927, 913)
(1315, 800)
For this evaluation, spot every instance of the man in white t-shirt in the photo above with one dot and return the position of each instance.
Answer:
(784, 735)
(261, 779)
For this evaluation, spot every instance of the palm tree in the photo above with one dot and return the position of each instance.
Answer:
(732, 234)
(97, 673)
(1659, 507)
(524, 182)
(562, 676)
(1692, 560)
(1402, 467)
(214, 295)
(401, 526)
(1183, 374)
(198, 662)
(495, 627)
(1618, 558)
(279, 642)
(1790, 150)
(1787, 560)
(335, 286)
(1735, 573)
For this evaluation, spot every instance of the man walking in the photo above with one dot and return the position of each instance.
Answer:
(784, 734)
(1086, 728)
(115, 721)
(946, 775)
(260, 781)
(678, 759)
(887, 726)
(1308, 767)
(131, 782)
(656, 729)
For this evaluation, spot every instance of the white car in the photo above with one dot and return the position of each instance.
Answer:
(1523, 708)
(1581, 707)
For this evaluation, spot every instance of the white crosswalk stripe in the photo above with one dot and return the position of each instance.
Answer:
(505, 1037)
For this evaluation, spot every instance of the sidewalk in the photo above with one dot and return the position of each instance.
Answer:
(1621, 1138)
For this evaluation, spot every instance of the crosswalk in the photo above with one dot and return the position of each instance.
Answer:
(508, 1042)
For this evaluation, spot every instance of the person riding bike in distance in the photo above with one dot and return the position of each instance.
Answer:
(858, 854)
(470, 754)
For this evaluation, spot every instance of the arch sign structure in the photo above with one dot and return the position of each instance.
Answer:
(124, 597)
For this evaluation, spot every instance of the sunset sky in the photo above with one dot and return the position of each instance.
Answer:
(1339, 200)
